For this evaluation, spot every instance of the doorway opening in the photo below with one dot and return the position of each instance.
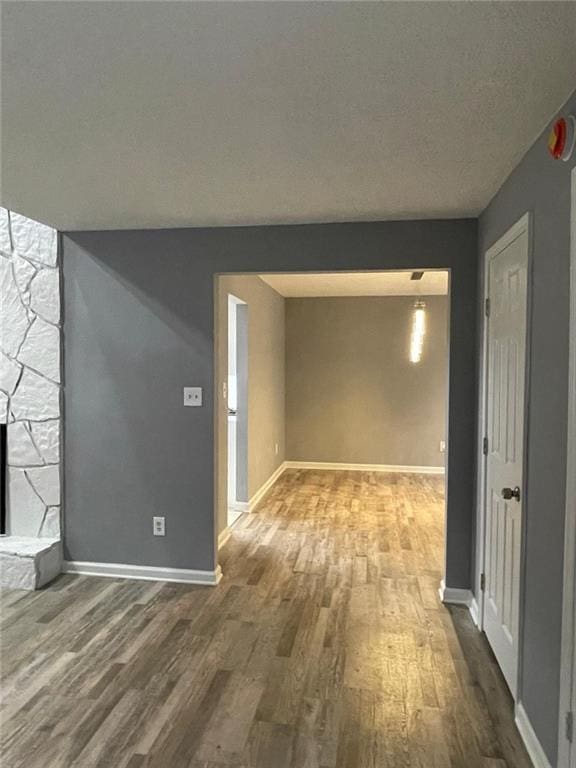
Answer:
(236, 385)
(345, 372)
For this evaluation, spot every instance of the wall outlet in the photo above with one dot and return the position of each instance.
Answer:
(276, 448)
(159, 526)
(442, 446)
(193, 396)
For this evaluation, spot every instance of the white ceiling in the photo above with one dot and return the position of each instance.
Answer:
(160, 114)
(358, 284)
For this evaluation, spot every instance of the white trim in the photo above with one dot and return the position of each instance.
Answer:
(224, 535)
(454, 596)
(568, 655)
(364, 467)
(143, 572)
(263, 490)
(533, 746)
(250, 506)
(474, 614)
(517, 229)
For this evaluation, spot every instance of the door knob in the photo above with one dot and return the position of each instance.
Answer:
(511, 493)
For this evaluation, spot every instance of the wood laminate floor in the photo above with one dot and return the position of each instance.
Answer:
(324, 646)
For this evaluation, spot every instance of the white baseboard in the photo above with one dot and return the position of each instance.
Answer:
(143, 572)
(263, 490)
(224, 535)
(474, 611)
(455, 596)
(249, 506)
(533, 746)
(241, 506)
(364, 467)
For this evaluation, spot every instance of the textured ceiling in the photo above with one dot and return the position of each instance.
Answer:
(358, 284)
(159, 114)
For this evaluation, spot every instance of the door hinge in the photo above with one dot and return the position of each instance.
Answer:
(485, 446)
(569, 726)
(482, 581)
(487, 307)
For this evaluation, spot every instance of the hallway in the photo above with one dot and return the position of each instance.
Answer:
(324, 646)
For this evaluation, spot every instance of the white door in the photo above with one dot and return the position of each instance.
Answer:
(506, 354)
(567, 743)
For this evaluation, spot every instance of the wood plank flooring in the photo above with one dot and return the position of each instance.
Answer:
(324, 646)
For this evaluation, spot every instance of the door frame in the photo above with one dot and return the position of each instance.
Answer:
(568, 653)
(524, 224)
(232, 304)
(458, 596)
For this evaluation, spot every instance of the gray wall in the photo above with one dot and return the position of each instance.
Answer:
(352, 394)
(266, 381)
(542, 186)
(139, 325)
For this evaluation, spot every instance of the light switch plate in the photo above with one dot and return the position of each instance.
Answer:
(193, 396)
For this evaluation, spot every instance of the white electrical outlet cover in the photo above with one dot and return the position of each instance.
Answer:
(193, 396)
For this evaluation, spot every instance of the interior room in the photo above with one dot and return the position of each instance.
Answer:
(288, 384)
(330, 371)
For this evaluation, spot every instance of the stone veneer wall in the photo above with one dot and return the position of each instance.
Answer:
(30, 373)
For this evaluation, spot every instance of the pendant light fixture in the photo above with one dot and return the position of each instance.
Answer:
(418, 331)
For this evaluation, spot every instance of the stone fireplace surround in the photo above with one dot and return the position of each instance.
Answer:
(30, 400)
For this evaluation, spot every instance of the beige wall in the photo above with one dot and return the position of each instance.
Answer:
(266, 381)
(352, 395)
